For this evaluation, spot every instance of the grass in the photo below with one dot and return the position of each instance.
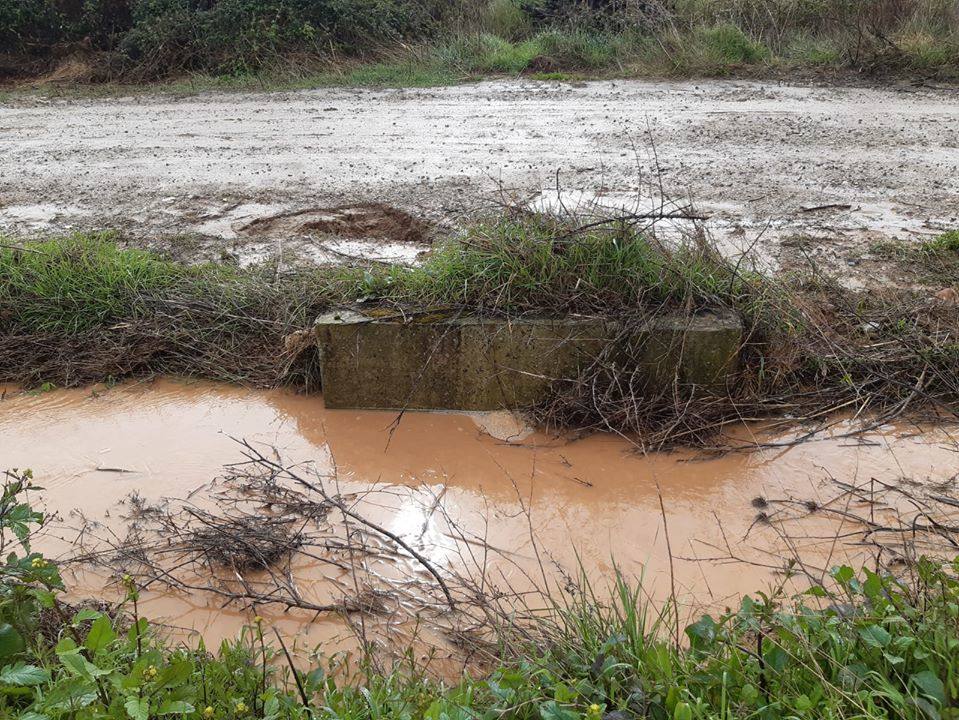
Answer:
(860, 646)
(947, 242)
(119, 311)
(74, 285)
(933, 262)
(537, 264)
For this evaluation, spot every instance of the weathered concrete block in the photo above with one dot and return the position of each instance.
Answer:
(486, 364)
(451, 363)
(699, 350)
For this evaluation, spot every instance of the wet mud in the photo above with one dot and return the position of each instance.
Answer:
(831, 170)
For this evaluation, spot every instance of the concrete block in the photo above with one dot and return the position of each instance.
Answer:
(469, 363)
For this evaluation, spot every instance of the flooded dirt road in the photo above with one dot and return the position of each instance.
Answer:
(839, 163)
(465, 491)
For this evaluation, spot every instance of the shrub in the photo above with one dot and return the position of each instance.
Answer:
(728, 44)
(507, 19)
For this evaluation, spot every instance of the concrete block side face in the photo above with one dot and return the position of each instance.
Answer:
(482, 364)
(702, 350)
(513, 364)
(389, 365)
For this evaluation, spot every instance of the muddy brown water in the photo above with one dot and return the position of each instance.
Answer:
(596, 496)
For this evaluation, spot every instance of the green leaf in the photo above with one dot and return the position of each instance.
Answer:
(69, 695)
(23, 674)
(80, 666)
(101, 634)
(174, 674)
(552, 710)
(873, 586)
(45, 598)
(175, 707)
(930, 685)
(702, 633)
(875, 636)
(843, 574)
(138, 708)
(10, 641)
(776, 658)
(65, 645)
(85, 614)
(893, 659)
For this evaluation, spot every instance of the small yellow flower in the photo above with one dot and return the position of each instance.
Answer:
(258, 619)
(208, 712)
(38, 563)
(240, 708)
(150, 672)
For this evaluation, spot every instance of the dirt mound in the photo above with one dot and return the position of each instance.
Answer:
(373, 221)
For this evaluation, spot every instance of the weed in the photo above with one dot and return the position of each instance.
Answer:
(243, 43)
(80, 309)
(507, 19)
(947, 242)
(74, 285)
(540, 264)
(501, 56)
(115, 311)
(729, 45)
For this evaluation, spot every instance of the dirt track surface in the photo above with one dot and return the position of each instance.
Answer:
(749, 154)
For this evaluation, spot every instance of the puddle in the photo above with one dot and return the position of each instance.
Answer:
(40, 216)
(499, 486)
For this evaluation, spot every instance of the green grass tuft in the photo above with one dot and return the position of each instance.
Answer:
(538, 264)
(78, 283)
(729, 45)
(948, 242)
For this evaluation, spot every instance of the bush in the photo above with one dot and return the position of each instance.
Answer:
(727, 44)
(23, 22)
(162, 37)
(507, 19)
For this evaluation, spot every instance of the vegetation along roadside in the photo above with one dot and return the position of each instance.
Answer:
(430, 42)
